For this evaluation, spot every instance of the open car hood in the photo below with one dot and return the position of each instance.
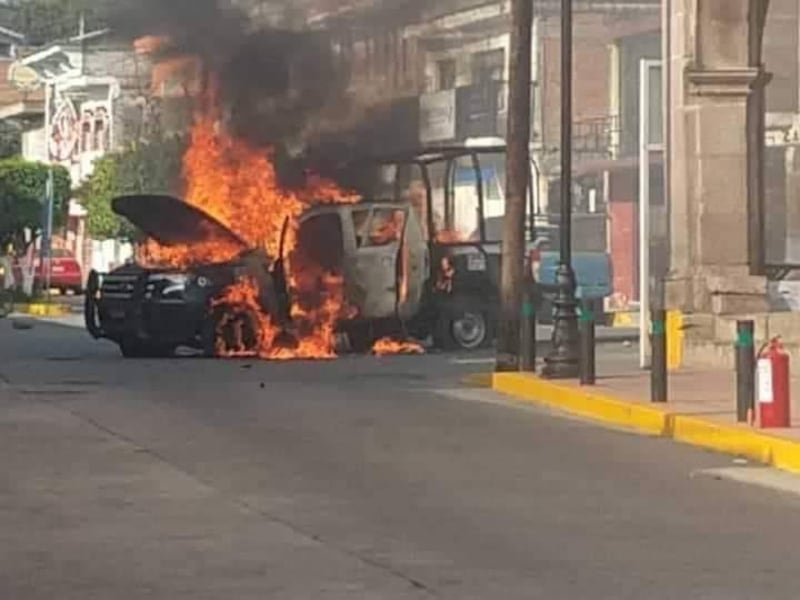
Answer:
(170, 221)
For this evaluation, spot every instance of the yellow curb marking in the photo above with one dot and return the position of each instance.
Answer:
(43, 310)
(729, 439)
(625, 319)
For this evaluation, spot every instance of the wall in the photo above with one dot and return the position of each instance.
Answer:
(593, 36)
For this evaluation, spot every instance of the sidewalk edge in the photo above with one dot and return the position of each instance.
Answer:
(687, 429)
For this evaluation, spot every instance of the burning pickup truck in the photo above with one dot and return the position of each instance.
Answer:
(369, 259)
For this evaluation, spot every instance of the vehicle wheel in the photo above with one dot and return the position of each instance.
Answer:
(465, 327)
(139, 349)
(90, 309)
(232, 332)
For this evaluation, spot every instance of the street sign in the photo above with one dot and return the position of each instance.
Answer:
(437, 116)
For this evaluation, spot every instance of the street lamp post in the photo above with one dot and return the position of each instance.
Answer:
(562, 361)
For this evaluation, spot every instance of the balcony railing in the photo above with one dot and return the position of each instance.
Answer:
(597, 136)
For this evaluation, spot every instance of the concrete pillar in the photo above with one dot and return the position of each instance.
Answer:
(717, 83)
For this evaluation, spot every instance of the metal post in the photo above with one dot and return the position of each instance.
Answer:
(588, 358)
(644, 211)
(745, 371)
(47, 254)
(562, 361)
(528, 332)
(658, 368)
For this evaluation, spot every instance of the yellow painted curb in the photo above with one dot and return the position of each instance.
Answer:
(43, 310)
(729, 439)
(625, 319)
(581, 401)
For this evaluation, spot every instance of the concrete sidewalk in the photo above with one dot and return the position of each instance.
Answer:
(701, 410)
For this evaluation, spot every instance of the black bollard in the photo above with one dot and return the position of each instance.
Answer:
(658, 370)
(587, 348)
(528, 332)
(745, 371)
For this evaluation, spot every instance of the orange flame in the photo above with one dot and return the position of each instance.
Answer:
(237, 184)
(389, 346)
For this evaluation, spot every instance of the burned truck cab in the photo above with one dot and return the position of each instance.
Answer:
(151, 311)
(380, 251)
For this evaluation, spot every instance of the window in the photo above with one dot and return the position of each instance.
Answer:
(100, 135)
(488, 66)
(360, 224)
(87, 139)
(386, 227)
(446, 74)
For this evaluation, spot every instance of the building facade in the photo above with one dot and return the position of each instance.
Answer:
(93, 95)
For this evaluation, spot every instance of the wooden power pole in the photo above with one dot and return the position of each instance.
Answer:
(517, 182)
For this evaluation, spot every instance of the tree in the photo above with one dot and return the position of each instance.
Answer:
(22, 194)
(144, 167)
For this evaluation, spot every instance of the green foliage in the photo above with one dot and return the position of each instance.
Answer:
(22, 193)
(153, 167)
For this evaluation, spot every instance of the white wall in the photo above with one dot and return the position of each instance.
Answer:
(109, 254)
(33, 145)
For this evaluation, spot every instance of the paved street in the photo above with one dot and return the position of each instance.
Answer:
(361, 478)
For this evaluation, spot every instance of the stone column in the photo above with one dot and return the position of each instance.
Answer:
(717, 83)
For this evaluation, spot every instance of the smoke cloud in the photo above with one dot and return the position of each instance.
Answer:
(275, 84)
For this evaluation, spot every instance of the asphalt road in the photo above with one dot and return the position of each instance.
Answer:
(360, 478)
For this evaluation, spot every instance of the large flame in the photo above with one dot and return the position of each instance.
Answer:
(237, 184)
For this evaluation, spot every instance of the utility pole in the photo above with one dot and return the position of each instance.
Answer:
(517, 182)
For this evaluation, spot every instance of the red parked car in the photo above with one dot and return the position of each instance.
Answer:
(65, 274)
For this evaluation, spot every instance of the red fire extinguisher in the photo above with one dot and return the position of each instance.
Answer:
(773, 386)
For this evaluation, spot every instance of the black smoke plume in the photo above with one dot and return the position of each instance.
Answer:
(275, 85)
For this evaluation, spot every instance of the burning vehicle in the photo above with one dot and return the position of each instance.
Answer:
(242, 306)
(150, 311)
(376, 250)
